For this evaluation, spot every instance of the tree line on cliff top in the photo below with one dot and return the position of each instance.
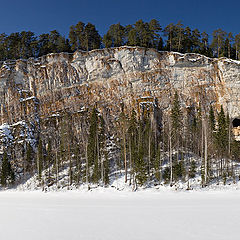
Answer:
(173, 37)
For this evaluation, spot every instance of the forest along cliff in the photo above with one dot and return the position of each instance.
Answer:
(38, 94)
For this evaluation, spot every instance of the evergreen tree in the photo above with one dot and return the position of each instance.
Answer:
(115, 36)
(25, 48)
(179, 31)
(49, 160)
(169, 32)
(7, 173)
(237, 46)
(92, 39)
(3, 47)
(217, 44)
(140, 167)
(103, 155)
(212, 120)
(106, 170)
(93, 147)
(40, 159)
(166, 174)
(196, 40)
(193, 169)
(132, 38)
(187, 41)
(228, 45)
(43, 44)
(204, 45)
(222, 134)
(29, 157)
(77, 36)
(123, 136)
(143, 33)
(155, 29)
(178, 170)
(107, 40)
(176, 120)
(133, 153)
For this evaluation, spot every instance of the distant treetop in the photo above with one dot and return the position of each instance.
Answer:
(173, 37)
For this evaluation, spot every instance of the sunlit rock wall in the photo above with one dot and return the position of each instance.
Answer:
(36, 89)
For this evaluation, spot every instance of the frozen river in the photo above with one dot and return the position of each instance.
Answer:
(120, 215)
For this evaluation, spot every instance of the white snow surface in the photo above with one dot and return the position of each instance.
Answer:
(104, 214)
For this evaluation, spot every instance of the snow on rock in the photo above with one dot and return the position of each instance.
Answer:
(5, 131)
(123, 74)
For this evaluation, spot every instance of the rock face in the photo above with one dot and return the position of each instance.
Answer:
(37, 89)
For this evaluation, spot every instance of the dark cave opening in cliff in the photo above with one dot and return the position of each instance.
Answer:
(236, 122)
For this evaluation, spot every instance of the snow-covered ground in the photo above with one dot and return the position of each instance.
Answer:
(110, 214)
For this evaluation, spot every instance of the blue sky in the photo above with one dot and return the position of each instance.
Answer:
(46, 15)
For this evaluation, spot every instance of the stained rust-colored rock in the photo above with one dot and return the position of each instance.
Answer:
(36, 89)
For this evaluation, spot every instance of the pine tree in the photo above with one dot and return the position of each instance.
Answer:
(40, 159)
(103, 154)
(169, 32)
(178, 170)
(217, 44)
(237, 45)
(43, 44)
(166, 174)
(92, 39)
(115, 36)
(187, 42)
(212, 120)
(222, 140)
(133, 153)
(7, 173)
(196, 40)
(212, 138)
(106, 168)
(107, 40)
(29, 157)
(222, 134)
(193, 169)
(132, 38)
(140, 167)
(143, 33)
(176, 124)
(93, 148)
(228, 45)
(176, 115)
(155, 29)
(49, 160)
(123, 125)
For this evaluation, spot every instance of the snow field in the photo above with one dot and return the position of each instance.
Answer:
(101, 214)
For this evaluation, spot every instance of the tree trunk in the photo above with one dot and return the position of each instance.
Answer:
(87, 180)
(170, 154)
(130, 159)
(125, 153)
(205, 153)
(149, 152)
(56, 169)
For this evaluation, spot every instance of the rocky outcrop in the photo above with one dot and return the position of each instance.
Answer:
(36, 89)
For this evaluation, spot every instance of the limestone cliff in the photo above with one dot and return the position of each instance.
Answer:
(34, 90)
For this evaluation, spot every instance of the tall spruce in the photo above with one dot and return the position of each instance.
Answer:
(176, 123)
(7, 173)
(92, 147)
